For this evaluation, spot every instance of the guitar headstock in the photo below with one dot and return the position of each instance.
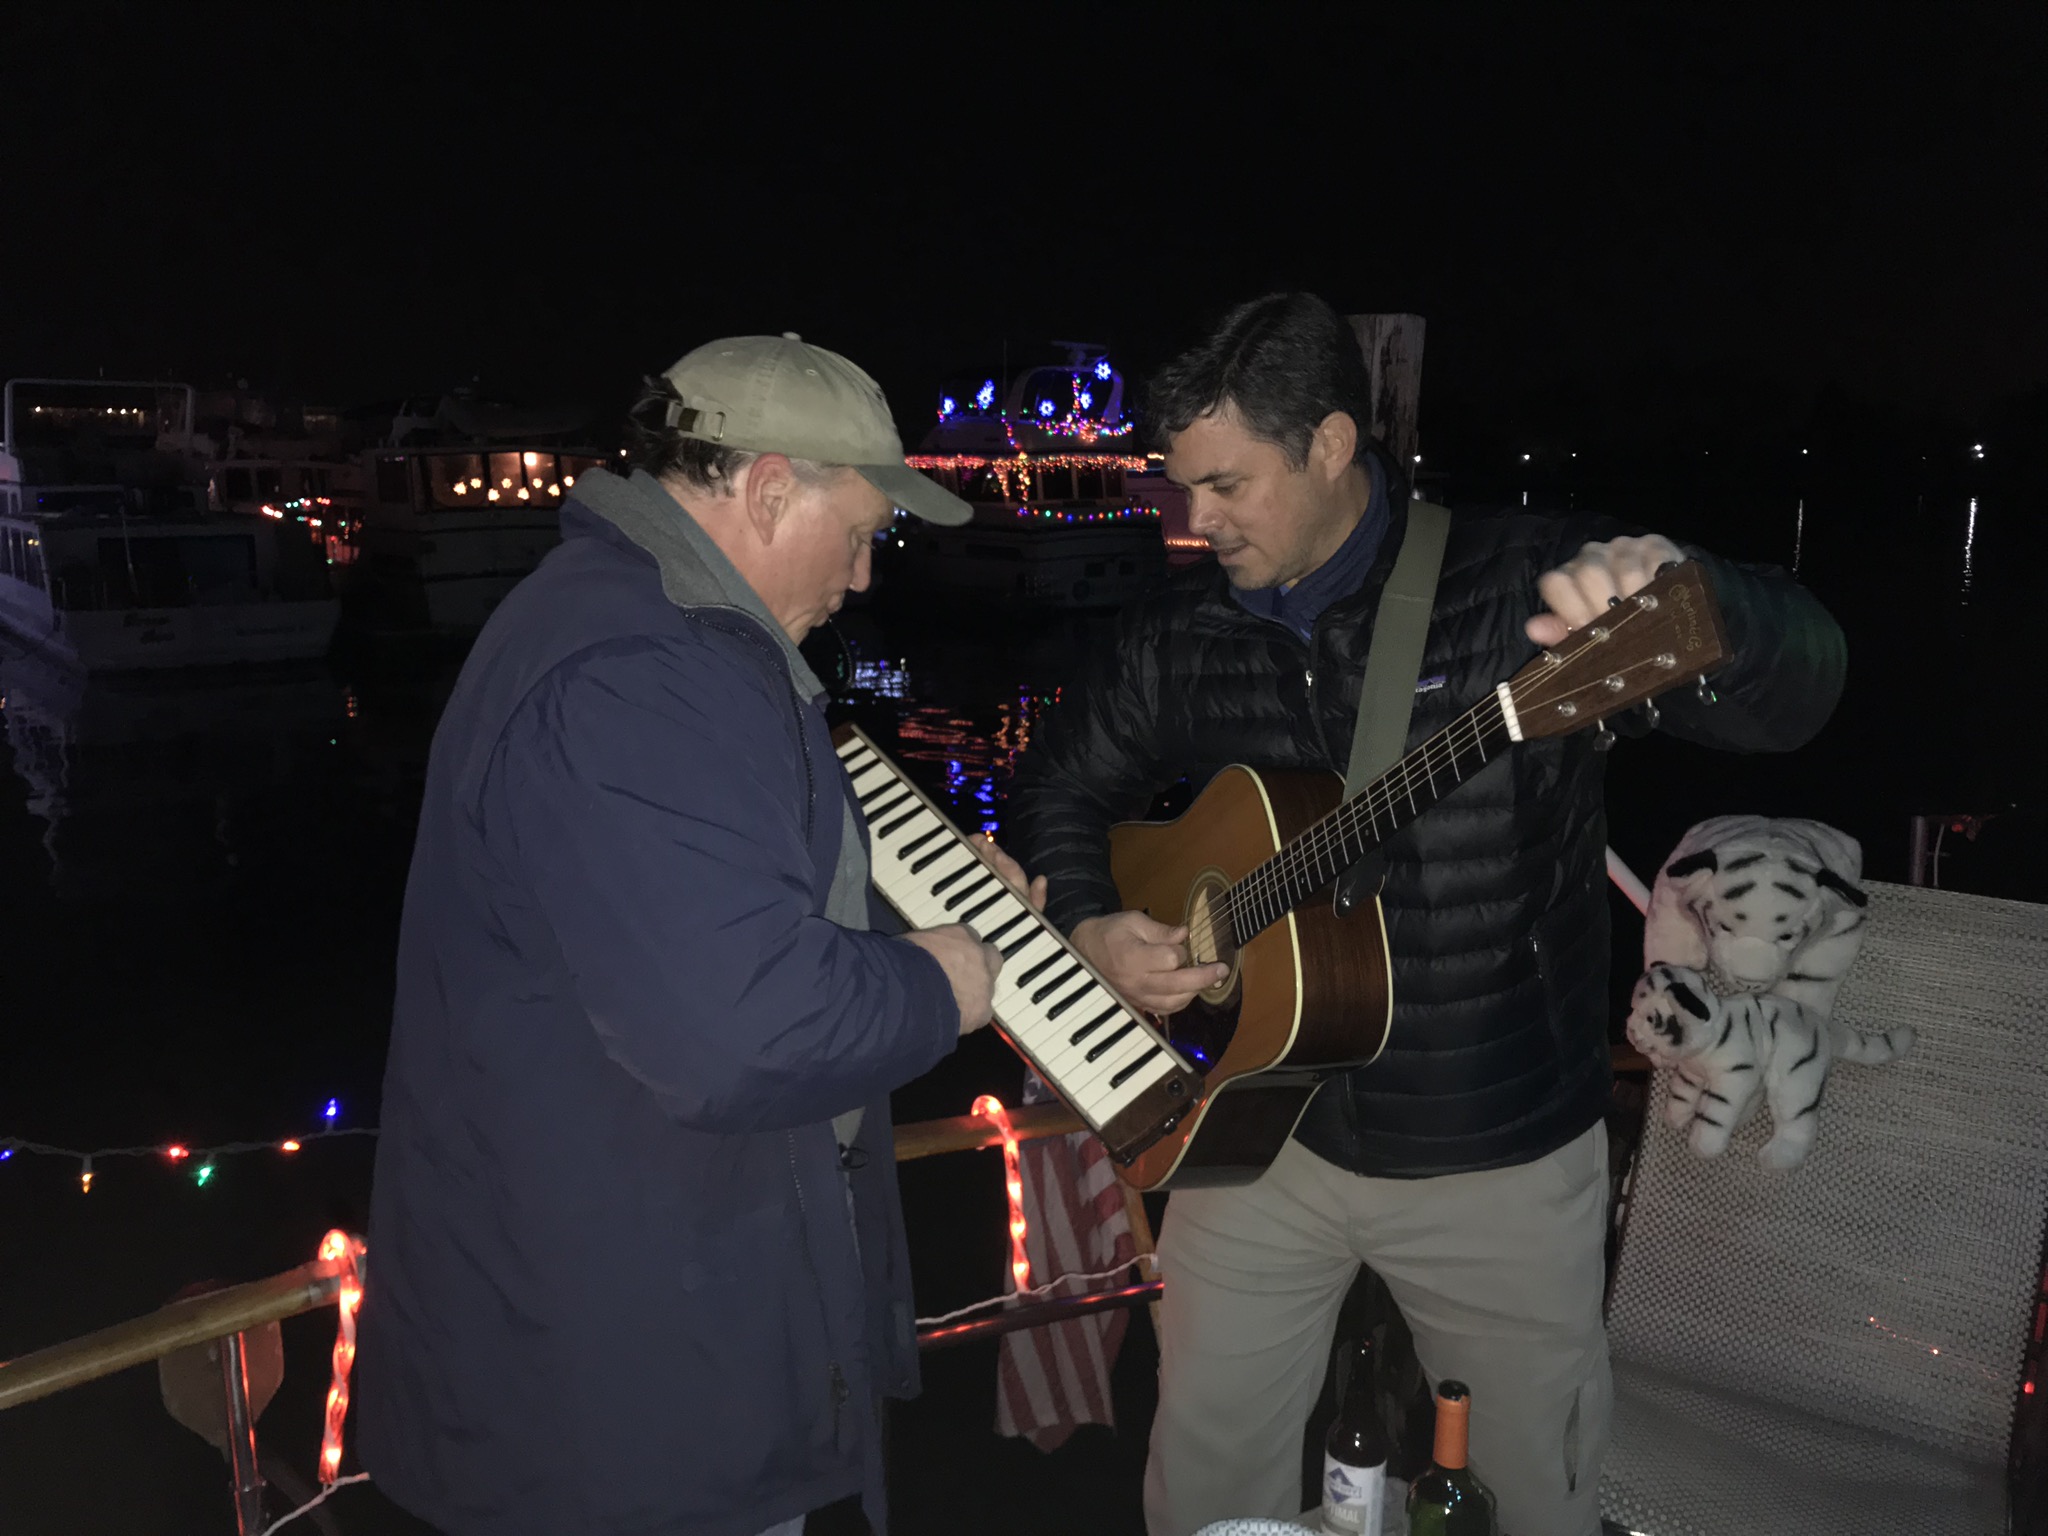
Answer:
(1667, 634)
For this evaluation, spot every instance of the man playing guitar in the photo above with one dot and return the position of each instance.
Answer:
(1468, 1165)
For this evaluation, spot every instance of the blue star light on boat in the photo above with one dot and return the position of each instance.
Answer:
(1102, 368)
(986, 395)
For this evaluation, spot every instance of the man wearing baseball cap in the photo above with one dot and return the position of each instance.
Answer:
(636, 1257)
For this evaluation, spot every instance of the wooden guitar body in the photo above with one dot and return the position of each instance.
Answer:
(1309, 996)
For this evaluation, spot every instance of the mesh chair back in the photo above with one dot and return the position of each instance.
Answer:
(1857, 1324)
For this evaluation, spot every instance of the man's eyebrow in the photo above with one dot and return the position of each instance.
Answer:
(1212, 477)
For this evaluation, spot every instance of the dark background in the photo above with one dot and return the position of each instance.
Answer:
(1616, 219)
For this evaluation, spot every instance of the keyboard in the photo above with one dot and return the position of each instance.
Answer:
(1104, 1058)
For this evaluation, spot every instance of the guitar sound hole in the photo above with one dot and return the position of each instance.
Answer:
(1203, 1029)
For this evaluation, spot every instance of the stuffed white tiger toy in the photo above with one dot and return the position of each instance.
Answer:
(1723, 1051)
(1752, 925)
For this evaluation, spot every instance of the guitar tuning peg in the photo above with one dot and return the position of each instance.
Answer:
(1603, 738)
(1669, 565)
(1703, 693)
(1651, 713)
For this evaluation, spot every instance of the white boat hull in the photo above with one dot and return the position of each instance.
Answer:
(210, 635)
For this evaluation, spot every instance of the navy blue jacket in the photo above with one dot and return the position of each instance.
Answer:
(613, 1285)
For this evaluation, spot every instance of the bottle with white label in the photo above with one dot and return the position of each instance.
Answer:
(1355, 1453)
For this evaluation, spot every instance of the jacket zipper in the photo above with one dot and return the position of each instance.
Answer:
(839, 1390)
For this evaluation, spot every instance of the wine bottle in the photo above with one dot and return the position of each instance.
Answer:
(1355, 1454)
(1448, 1500)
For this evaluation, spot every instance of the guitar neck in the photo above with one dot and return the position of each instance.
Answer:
(1361, 824)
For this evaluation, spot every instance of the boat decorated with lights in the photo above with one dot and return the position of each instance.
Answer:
(458, 504)
(1067, 506)
(112, 558)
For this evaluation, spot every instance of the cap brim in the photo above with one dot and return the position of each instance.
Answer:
(917, 494)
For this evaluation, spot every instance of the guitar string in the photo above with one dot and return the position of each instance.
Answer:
(1303, 857)
(1334, 830)
(1269, 885)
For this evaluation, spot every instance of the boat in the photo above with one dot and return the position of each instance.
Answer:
(1067, 508)
(459, 503)
(111, 557)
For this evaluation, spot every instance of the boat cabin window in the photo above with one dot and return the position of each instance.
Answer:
(21, 556)
(394, 481)
(239, 485)
(270, 483)
(1051, 484)
(1088, 485)
(982, 484)
(174, 570)
(455, 480)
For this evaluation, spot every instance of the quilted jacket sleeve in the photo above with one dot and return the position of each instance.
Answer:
(1093, 762)
(1788, 658)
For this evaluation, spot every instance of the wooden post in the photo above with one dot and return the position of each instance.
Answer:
(1392, 345)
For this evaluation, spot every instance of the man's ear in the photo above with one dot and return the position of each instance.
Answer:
(1334, 444)
(765, 488)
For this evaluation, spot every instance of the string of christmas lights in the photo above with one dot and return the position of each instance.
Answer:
(204, 1161)
(990, 1108)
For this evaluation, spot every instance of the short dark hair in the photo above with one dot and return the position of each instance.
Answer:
(1281, 363)
(655, 446)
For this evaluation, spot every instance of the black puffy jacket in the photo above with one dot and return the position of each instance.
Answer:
(1495, 908)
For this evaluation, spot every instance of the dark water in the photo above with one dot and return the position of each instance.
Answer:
(200, 882)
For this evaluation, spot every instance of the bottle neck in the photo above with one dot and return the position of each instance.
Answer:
(1452, 1424)
(1360, 1395)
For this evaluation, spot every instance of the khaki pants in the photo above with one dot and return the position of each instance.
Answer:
(1499, 1275)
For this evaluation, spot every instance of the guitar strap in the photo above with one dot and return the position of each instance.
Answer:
(1393, 666)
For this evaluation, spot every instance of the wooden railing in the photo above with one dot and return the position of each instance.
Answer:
(219, 1314)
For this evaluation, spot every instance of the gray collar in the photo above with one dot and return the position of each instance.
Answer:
(694, 571)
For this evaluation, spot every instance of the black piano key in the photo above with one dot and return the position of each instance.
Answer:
(1042, 967)
(1070, 999)
(899, 823)
(1102, 1046)
(918, 842)
(890, 807)
(1021, 917)
(933, 857)
(969, 867)
(862, 771)
(1123, 1074)
(980, 907)
(1094, 1024)
(967, 893)
(1014, 945)
(1054, 985)
(881, 789)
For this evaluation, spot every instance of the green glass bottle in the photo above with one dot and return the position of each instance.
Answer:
(1448, 1500)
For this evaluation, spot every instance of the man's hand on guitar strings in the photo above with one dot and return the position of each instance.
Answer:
(1587, 585)
(1145, 960)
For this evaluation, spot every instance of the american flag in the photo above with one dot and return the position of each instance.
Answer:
(1051, 1380)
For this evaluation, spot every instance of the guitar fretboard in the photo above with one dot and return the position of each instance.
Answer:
(1318, 856)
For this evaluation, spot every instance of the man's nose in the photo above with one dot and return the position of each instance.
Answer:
(1204, 517)
(863, 568)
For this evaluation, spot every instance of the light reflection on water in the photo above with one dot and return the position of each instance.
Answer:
(1969, 551)
(971, 762)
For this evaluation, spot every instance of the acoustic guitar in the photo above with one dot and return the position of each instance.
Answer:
(1247, 866)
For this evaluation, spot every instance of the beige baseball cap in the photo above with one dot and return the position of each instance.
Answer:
(779, 394)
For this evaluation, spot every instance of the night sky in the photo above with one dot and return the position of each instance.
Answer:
(362, 204)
